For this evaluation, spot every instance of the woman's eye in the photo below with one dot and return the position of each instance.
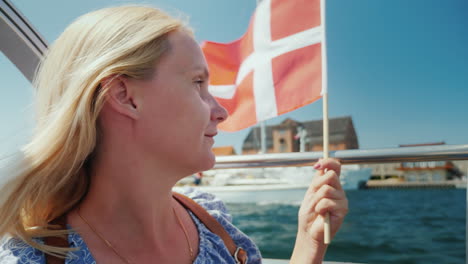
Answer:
(199, 83)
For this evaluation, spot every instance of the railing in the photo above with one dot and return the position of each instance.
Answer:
(358, 156)
(21, 43)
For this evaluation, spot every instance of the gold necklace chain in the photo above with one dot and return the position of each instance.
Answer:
(185, 233)
(109, 245)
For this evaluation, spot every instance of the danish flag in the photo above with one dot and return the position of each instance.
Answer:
(273, 69)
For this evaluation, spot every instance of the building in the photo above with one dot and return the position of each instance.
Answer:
(382, 171)
(430, 170)
(427, 171)
(287, 136)
(224, 151)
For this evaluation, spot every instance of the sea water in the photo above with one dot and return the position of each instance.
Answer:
(382, 226)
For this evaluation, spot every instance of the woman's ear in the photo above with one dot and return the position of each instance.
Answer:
(120, 96)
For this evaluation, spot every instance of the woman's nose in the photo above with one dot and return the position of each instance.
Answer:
(218, 112)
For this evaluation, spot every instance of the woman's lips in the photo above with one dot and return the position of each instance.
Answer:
(211, 135)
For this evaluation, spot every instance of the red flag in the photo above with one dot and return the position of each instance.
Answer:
(274, 68)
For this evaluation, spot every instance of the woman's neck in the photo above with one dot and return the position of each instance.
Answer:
(129, 196)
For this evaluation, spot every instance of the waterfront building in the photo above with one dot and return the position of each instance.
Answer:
(428, 171)
(382, 171)
(224, 151)
(420, 171)
(287, 136)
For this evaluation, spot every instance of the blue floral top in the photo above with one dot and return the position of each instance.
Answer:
(211, 247)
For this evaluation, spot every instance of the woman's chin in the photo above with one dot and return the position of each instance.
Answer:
(208, 162)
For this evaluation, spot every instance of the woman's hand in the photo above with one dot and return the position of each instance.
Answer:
(325, 194)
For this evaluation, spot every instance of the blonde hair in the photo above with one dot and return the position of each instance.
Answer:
(52, 179)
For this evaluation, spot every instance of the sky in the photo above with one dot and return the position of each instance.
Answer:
(399, 68)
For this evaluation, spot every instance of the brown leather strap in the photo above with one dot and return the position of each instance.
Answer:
(214, 226)
(61, 223)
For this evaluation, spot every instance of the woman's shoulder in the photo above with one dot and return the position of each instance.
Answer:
(210, 202)
(16, 251)
(218, 210)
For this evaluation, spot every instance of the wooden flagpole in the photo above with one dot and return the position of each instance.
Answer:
(326, 234)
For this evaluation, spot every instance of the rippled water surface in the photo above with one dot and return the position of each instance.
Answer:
(383, 226)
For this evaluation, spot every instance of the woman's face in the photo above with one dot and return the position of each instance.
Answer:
(179, 117)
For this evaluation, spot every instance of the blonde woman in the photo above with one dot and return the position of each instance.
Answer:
(123, 113)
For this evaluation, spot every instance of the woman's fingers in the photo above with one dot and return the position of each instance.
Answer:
(326, 192)
(329, 178)
(325, 195)
(327, 186)
(328, 164)
(314, 195)
(338, 208)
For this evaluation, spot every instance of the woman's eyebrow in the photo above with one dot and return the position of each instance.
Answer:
(202, 70)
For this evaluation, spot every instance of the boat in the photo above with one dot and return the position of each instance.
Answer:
(271, 185)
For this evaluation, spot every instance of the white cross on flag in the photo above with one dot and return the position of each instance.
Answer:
(274, 68)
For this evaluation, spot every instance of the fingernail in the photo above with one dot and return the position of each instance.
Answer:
(317, 166)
